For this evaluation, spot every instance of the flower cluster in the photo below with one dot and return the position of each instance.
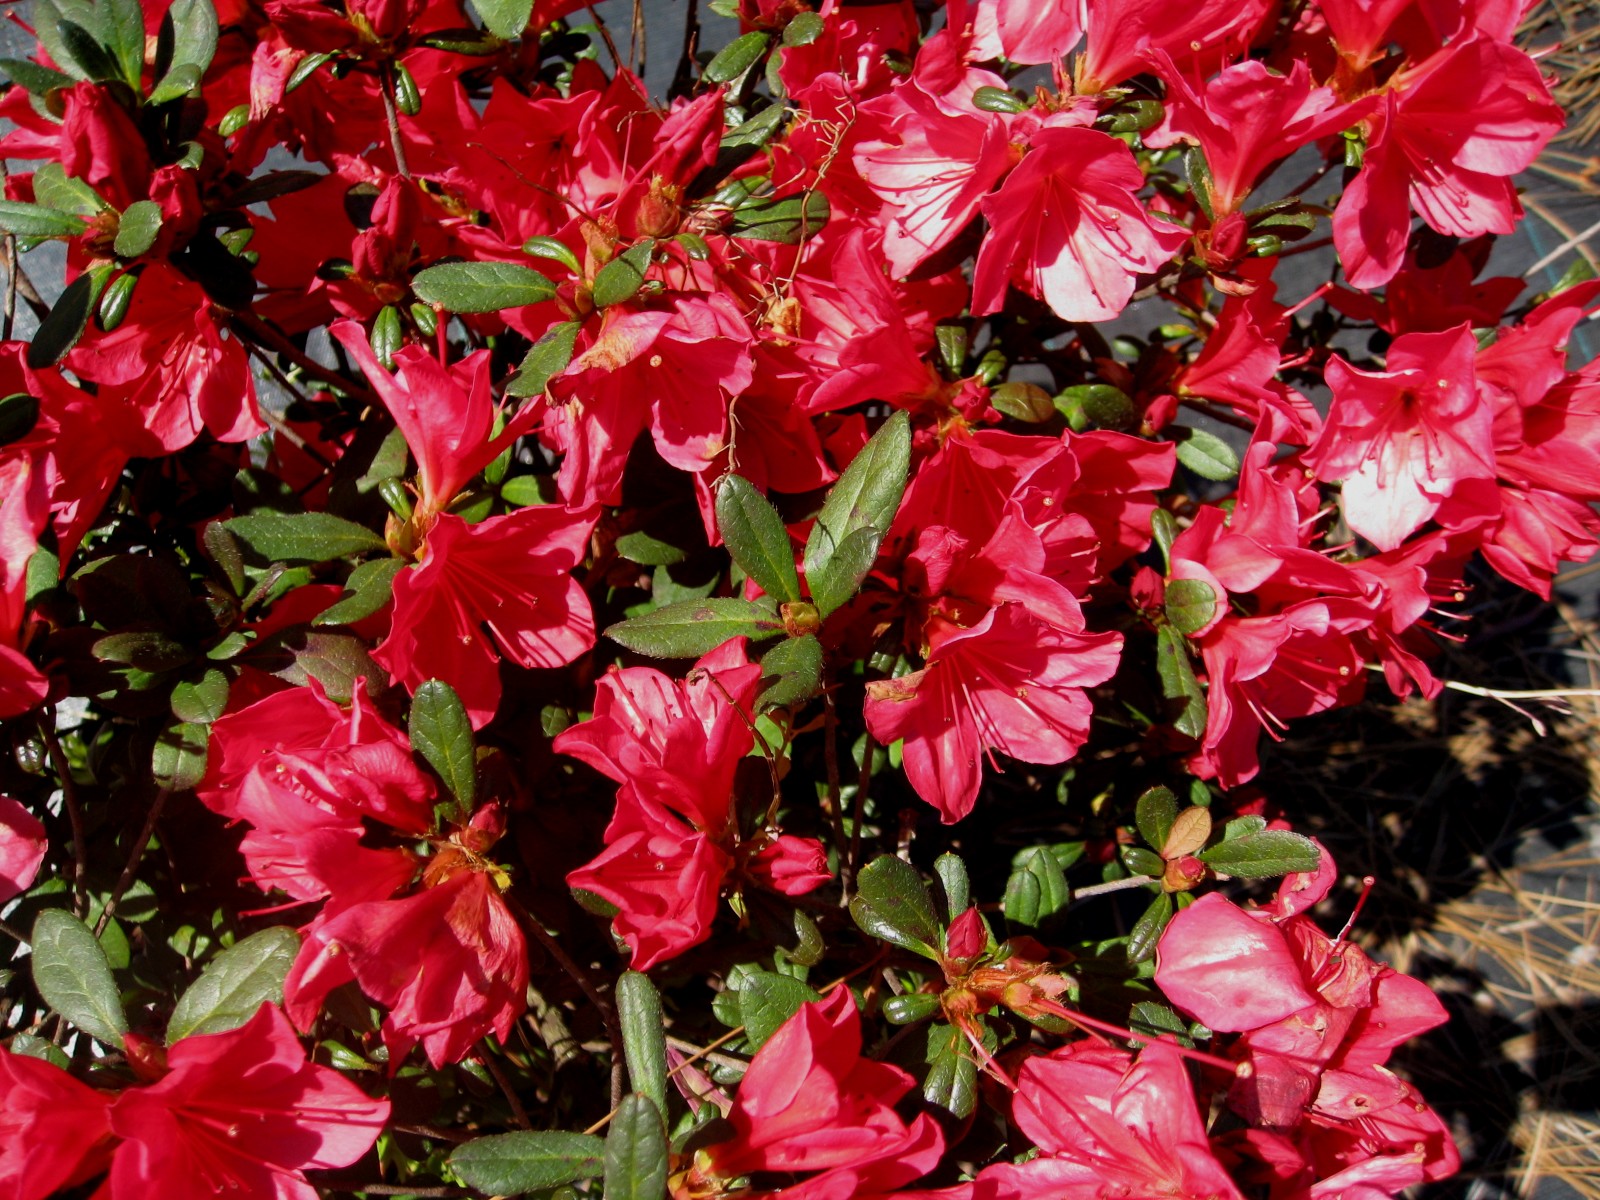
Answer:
(415, 375)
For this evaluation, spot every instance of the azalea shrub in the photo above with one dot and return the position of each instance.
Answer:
(567, 641)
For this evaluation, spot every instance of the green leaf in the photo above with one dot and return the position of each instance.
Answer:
(803, 29)
(766, 1001)
(64, 324)
(998, 100)
(952, 875)
(504, 18)
(546, 359)
(37, 221)
(178, 761)
(202, 700)
(791, 673)
(31, 77)
(1147, 929)
(1207, 455)
(481, 287)
(116, 299)
(1154, 813)
(694, 627)
(1097, 404)
(367, 590)
(1263, 855)
(524, 491)
(861, 505)
(892, 903)
(789, 221)
(138, 229)
(509, 1164)
(1024, 401)
(553, 248)
(621, 278)
(1164, 530)
(88, 51)
(305, 69)
(1036, 891)
(952, 1079)
(737, 57)
(235, 984)
(194, 45)
(1190, 604)
(442, 734)
(124, 26)
(648, 550)
(644, 1036)
(19, 413)
(1178, 682)
(145, 649)
(755, 535)
(54, 188)
(1143, 862)
(74, 978)
(756, 131)
(636, 1151)
(910, 1008)
(303, 537)
(1151, 1019)
(30, 1046)
(387, 335)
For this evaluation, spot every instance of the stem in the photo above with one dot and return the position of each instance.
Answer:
(1206, 408)
(11, 287)
(265, 335)
(596, 997)
(1116, 885)
(683, 76)
(139, 848)
(830, 750)
(858, 804)
(518, 1113)
(386, 85)
(69, 799)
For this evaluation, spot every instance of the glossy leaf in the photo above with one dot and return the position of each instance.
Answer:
(1263, 855)
(756, 538)
(644, 1037)
(766, 1001)
(509, 1164)
(303, 537)
(235, 984)
(857, 514)
(73, 976)
(791, 672)
(481, 287)
(1190, 604)
(693, 627)
(892, 903)
(1154, 813)
(636, 1151)
(442, 734)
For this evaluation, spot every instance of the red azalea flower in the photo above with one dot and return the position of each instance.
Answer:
(22, 848)
(240, 1112)
(54, 1131)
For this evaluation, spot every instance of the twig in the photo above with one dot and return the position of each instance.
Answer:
(1116, 885)
(858, 804)
(11, 286)
(139, 847)
(1510, 697)
(265, 335)
(683, 76)
(1573, 242)
(602, 1003)
(830, 750)
(518, 1113)
(69, 799)
(386, 85)
(605, 36)
(15, 934)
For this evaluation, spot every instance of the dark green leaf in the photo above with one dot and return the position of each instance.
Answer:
(124, 27)
(504, 18)
(952, 875)
(766, 1001)
(1098, 404)
(1190, 604)
(694, 627)
(37, 221)
(553, 248)
(756, 538)
(636, 1151)
(509, 1164)
(481, 287)
(178, 762)
(181, 81)
(737, 57)
(334, 659)
(1152, 1020)
(303, 537)
(952, 1079)
(648, 550)
(271, 186)
(803, 29)
(30, 1046)
(998, 100)
(64, 324)
(194, 41)
(910, 1008)
(54, 188)
(621, 278)
(1154, 814)
(32, 77)
(1040, 900)
(442, 734)
(1200, 181)
(1024, 401)
(791, 673)
(1178, 682)
(1206, 454)
(387, 335)
(892, 903)
(88, 52)
(305, 69)
(1143, 862)
(1147, 929)
(463, 41)
(756, 131)
(644, 1036)
(546, 358)
(114, 303)
(789, 221)
(145, 649)
(235, 984)
(368, 589)
(861, 505)
(524, 491)
(1263, 855)
(1164, 529)
(202, 700)
(74, 977)
(19, 413)
(138, 229)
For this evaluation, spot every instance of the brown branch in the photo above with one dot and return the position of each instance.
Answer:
(69, 799)
(386, 85)
(139, 847)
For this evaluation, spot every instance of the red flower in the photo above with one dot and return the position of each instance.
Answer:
(22, 848)
(810, 1102)
(241, 1112)
(500, 587)
(1067, 226)
(54, 1132)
